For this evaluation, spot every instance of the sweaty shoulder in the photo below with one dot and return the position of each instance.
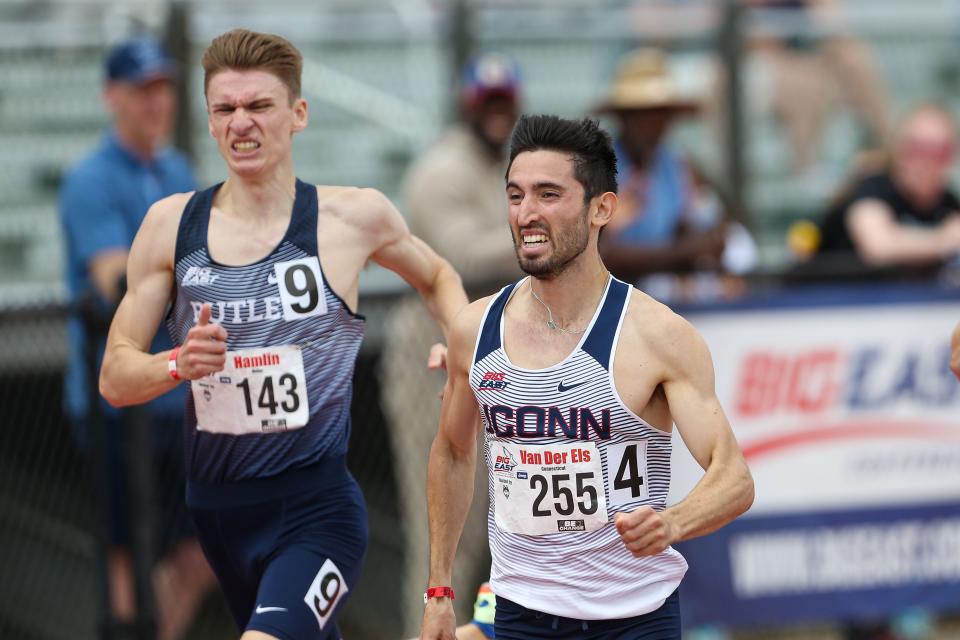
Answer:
(165, 214)
(362, 219)
(158, 231)
(653, 326)
(356, 206)
(464, 329)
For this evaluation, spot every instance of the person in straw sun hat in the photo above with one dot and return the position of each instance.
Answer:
(643, 83)
(669, 220)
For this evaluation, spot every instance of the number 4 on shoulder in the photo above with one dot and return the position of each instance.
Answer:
(301, 288)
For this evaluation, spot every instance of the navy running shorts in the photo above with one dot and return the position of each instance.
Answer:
(286, 550)
(516, 622)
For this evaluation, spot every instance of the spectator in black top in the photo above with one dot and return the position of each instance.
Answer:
(904, 220)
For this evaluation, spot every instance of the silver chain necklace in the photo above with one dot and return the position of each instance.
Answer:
(550, 322)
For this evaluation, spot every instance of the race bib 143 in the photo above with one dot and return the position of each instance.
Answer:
(258, 391)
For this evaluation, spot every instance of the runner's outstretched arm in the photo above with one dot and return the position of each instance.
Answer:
(412, 259)
(450, 474)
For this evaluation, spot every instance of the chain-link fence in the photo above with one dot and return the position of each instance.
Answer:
(57, 490)
(50, 586)
(53, 522)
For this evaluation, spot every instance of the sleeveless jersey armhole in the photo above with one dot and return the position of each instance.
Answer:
(489, 337)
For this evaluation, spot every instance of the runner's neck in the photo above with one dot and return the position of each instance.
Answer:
(245, 198)
(570, 293)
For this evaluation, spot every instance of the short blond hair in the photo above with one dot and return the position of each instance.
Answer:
(243, 49)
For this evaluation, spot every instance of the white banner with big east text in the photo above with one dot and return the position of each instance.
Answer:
(849, 419)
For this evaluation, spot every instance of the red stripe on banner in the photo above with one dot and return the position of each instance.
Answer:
(852, 431)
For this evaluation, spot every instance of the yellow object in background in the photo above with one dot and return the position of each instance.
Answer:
(803, 238)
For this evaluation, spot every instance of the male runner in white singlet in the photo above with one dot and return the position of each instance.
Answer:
(578, 379)
(262, 274)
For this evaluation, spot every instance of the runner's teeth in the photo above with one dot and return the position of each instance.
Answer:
(245, 146)
(534, 239)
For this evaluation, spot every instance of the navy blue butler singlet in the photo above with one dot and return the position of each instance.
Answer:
(283, 401)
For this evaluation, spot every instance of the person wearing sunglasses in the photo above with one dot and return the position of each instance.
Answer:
(904, 220)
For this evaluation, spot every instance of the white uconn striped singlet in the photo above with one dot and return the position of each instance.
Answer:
(564, 455)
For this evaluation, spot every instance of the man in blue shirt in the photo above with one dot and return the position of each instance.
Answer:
(102, 202)
(670, 224)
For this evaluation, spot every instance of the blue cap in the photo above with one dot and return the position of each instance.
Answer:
(139, 61)
(489, 75)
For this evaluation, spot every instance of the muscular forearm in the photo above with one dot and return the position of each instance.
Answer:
(445, 296)
(449, 494)
(130, 376)
(492, 264)
(724, 492)
(480, 253)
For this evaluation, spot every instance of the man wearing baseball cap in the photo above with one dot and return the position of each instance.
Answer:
(139, 94)
(103, 199)
(454, 202)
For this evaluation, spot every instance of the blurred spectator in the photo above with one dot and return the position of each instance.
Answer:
(955, 352)
(814, 68)
(102, 202)
(456, 203)
(669, 219)
(904, 220)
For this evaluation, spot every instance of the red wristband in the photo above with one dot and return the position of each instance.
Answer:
(437, 592)
(172, 363)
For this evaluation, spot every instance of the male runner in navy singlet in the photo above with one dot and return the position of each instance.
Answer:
(262, 274)
(577, 379)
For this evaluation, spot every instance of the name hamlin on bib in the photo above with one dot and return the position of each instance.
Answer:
(265, 360)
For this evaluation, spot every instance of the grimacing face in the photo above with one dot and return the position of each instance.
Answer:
(549, 220)
(251, 116)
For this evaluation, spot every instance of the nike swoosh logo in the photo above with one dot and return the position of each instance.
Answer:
(561, 388)
(268, 609)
